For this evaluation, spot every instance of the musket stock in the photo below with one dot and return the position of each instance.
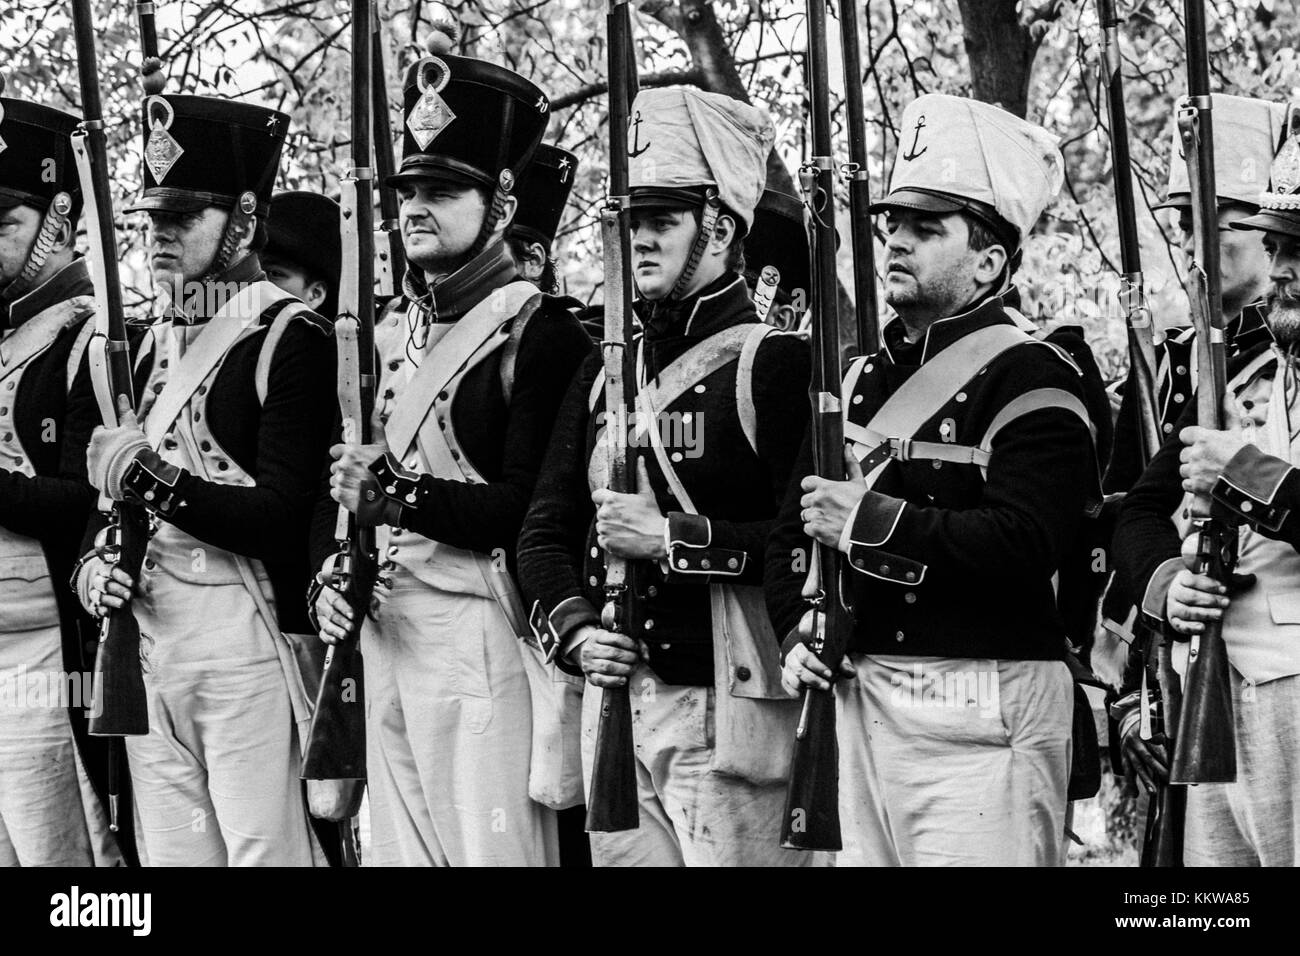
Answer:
(336, 743)
(118, 705)
(612, 802)
(1204, 746)
(811, 820)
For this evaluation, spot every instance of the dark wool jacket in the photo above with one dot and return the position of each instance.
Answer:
(943, 562)
(55, 505)
(504, 441)
(736, 489)
(281, 442)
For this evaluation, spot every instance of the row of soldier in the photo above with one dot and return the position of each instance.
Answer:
(977, 443)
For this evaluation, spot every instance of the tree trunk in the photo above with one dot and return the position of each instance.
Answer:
(1001, 44)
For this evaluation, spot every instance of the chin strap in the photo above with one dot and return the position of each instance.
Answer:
(240, 215)
(53, 221)
(708, 221)
(505, 186)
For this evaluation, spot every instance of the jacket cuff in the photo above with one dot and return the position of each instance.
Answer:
(1249, 488)
(398, 484)
(869, 529)
(562, 625)
(154, 483)
(689, 539)
(1157, 592)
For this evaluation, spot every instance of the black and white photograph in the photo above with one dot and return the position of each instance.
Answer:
(524, 434)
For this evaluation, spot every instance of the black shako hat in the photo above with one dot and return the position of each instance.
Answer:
(467, 120)
(32, 136)
(304, 228)
(542, 192)
(206, 151)
(779, 238)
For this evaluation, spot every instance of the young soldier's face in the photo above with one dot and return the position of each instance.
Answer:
(440, 222)
(1243, 264)
(930, 269)
(1283, 252)
(18, 228)
(661, 242)
(182, 245)
(294, 280)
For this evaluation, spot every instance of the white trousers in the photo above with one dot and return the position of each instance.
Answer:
(949, 762)
(43, 819)
(449, 735)
(1254, 821)
(690, 814)
(216, 779)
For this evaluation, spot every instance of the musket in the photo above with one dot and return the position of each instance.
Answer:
(390, 266)
(812, 818)
(1162, 842)
(864, 253)
(118, 704)
(612, 802)
(1204, 746)
(336, 743)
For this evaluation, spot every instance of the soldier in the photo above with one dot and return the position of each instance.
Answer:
(542, 193)
(778, 239)
(725, 399)
(238, 399)
(1249, 472)
(473, 364)
(304, 253)
(975, 445)
(1246, 133)
(50, 815)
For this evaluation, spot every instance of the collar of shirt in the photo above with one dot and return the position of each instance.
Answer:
(72, 280)
(216, 291)
(942, 332)
(455, 294)
(1249, 329)
(722, 303)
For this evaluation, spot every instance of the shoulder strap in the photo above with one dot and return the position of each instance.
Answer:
(510, 351)
(745, 383)
(919, 398)
(79, 350)
(262, 375)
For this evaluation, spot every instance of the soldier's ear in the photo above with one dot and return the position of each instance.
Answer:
(66, 236)
(989, 264)
(316, 294)
(724, 234)
(508, 210)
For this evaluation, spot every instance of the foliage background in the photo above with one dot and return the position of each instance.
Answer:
(1038, 59)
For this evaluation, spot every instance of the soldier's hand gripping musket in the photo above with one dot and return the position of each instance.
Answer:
(612, 801)
(1162, 842)
(1204, 749)
(336, 746)
(119, 707)
(812, 813)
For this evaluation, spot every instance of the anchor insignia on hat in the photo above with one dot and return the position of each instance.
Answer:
(431, 114)
(636, 149)
(912, 151)
(162, 151)
(564, 169)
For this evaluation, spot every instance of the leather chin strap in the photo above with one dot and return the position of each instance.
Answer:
(240, 215)
(708, 221)
(505, 186)
(53, 221)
